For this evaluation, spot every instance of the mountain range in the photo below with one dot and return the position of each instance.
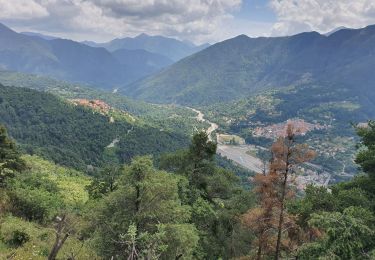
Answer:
(75, 62)
(168, 47)
(243, 66)
(143, 67)
(40, 35)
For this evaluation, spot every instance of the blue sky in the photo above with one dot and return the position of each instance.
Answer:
(198, 21)
(257, 11)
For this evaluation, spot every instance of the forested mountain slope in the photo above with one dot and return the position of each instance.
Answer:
(77, 136)
(243, 66)
(141, 60)
(173, 118)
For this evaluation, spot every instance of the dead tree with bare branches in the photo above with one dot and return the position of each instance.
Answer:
(62, 234)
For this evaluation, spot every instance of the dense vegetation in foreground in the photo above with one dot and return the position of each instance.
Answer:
(186, 208)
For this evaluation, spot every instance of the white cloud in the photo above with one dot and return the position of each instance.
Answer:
(195, 20)
(21, 9)
(186, 19)
(187, 9)
(295, 16)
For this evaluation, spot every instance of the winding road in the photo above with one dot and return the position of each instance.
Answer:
(200, 117)
(236, 153)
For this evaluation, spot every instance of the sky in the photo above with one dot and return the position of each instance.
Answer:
(198, 21)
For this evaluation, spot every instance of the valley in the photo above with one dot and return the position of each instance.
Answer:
(239, 154)
(200, 118)
(235, 153)
(245, 155)
(135, 139)
(324, 108)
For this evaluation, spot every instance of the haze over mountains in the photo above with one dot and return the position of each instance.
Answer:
(40, 35)
(168, 47)
(77, 62)
(223, 72)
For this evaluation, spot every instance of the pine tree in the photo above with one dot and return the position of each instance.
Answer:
(366, 156)
(262, 220)
(268, 221)
(144, 216)
(10, 160)
(286, 155)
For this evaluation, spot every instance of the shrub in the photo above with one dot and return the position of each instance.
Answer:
(18, 238)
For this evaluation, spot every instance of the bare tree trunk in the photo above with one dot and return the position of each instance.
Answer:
(259, 253)
(283, 192)
(60, 238)
(281, 219)
(133, 254)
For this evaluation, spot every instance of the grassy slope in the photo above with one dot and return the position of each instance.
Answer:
(71, 185)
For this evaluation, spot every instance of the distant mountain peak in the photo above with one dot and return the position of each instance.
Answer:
(4, 28)
(40, 35)
(171, 48)
(241, 37)
(74, 61)
(143, 35)
(335, 30)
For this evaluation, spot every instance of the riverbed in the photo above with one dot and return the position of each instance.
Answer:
(237, 153)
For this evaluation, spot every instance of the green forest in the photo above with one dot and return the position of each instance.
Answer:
(75, 136)
(187, 130)
(184, 206)
(174, 118)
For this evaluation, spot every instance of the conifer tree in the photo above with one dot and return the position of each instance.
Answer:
(10, 161)
(262, 220)
(268, 221)
(366, 156)
(144, 218)
(286, 155)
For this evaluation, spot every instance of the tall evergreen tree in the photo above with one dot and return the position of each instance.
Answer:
(10, 160)
(144, 218)
(214, 196)
(366, 156)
